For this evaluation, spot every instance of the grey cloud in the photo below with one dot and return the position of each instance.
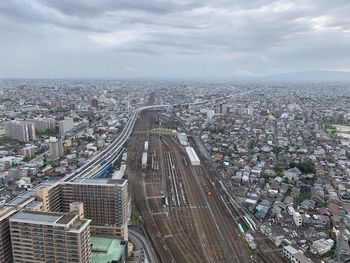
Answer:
(236, 33)
(96, 7)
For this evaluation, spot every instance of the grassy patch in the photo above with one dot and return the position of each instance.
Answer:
(279, 171)
(330, 253)
(49, 132)
(4, 140)
(135, 214)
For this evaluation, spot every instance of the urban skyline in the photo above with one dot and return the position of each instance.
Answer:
(174, 131)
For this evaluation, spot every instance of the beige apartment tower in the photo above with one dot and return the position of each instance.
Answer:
(49, 237)
(5, 239)
(104, 201)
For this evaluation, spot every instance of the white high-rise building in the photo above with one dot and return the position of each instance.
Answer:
(19, 130)
(43, 124)
(56, 147)
(65, 125)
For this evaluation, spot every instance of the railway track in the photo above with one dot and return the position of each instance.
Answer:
(186, 231)
(200, 222)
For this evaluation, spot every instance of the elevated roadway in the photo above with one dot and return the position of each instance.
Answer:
(109, 155)
(112, 152)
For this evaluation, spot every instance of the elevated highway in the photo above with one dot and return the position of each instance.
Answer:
(104, 160)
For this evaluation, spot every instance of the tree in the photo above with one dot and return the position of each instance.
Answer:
(279, 171)
(305, 167)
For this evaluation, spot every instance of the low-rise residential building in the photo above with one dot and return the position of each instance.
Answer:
(322, 246)
(297, 218)
(295, 256)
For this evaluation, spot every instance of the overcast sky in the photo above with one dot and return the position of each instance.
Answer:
(175, 38)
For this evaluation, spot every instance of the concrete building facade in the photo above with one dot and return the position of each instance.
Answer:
(43, 124)
(56, 147)
(49, 237)
(5, 239)
(295, 256)
(29, 151)
(321, 246)
(297, 219)
(22, 131)
(105, 202)
(65, 125)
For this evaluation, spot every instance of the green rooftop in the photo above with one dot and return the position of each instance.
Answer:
(106, 249)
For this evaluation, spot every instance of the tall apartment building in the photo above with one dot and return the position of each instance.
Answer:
(50, 195)
(22, 131)
(57, 103)
(43, 124)
(29, 151)
(49, 237)
(65, 125)
(56, 147)
(105, 202)
(5, 239)
(94, 102)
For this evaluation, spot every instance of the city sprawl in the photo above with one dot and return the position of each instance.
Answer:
(174, 171)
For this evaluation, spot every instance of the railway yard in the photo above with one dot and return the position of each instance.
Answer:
(186, 211)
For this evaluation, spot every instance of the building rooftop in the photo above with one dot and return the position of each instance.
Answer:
(21, 200)
(100, 181)
(36, 216)
(106, 249)
(323, 242)
(6, 211)
(51, 218)
(302, 258)
(65, 219)
(33, 205)
(291, 249)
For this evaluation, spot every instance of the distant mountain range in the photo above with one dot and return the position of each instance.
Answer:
(310, 76)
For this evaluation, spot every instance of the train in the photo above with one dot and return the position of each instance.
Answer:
(241, 230)
(103, 168)
(250, 223)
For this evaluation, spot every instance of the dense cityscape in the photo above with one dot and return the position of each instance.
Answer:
(174, 171)
(174, 131)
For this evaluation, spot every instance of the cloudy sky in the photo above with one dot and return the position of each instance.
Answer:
(174, 38)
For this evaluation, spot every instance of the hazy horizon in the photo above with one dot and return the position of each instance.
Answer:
(171, 39)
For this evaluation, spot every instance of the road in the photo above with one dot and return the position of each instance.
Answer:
(140, 240)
